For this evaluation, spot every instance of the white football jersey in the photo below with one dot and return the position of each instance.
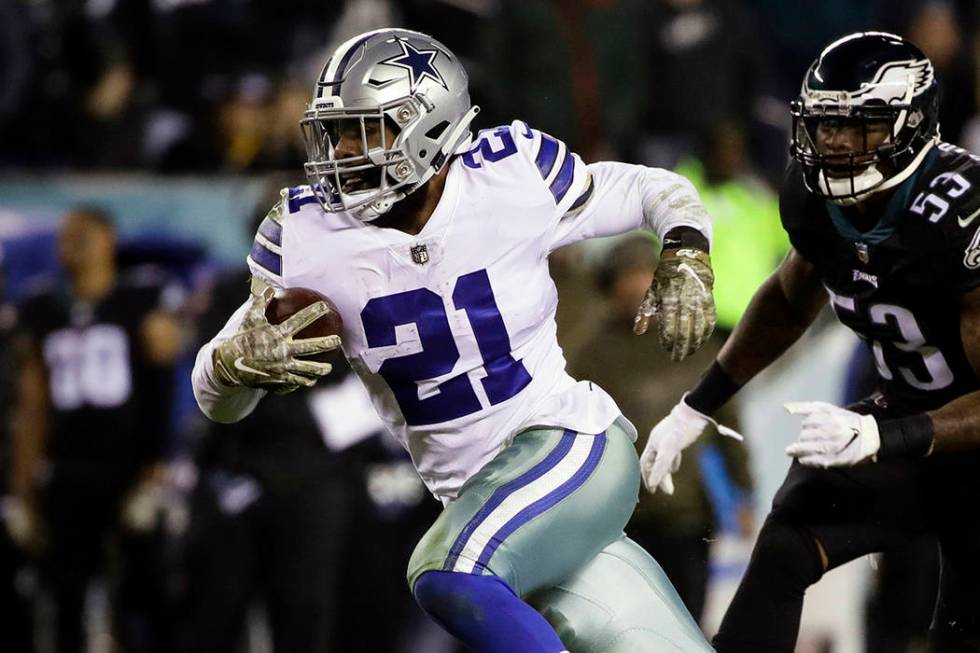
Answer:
(453, 330)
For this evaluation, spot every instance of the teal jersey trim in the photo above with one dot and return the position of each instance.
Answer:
(894, 210)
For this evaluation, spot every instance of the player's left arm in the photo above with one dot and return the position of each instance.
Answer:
(616, 198)
(956, 426)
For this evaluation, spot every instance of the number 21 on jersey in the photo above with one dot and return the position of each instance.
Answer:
(407, 375)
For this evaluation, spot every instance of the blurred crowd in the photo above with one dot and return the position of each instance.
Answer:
(212, 85)
(184, 527)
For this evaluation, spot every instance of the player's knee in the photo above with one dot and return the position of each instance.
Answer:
(789, 551)
(433, 592)
(445, 593)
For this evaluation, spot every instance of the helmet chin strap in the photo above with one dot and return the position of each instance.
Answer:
(847, 191)
(373, 210)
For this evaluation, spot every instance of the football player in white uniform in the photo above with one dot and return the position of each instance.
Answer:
(434, 247)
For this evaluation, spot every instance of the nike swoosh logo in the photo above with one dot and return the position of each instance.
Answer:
(965, 222)
(684, 267)
(239, 365)
(855, 434)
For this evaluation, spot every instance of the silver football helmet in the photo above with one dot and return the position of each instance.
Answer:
(389, 109)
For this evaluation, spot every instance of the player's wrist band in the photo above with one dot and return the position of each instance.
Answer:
(906, 436)
(712, 391)
(685, 237)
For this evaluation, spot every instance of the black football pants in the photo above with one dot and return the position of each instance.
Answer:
(852, 512)
(282, 550)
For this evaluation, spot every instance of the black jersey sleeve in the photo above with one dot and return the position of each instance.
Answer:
(37, 313)
(966, 258)
(793, 201)
(962, 226)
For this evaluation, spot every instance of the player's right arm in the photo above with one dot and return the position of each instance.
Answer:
(251, 356)
(780, 312)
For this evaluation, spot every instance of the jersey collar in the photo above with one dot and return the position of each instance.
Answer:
(894, 210)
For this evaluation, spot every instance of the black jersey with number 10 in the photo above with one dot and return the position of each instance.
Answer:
(107, 401)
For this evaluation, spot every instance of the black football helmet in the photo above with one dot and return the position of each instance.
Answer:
(863, 79)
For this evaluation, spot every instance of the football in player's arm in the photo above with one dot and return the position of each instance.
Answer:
(880, 214)
(433, 245)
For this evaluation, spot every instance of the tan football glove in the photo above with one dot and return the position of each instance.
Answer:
(681, 299)
(264, 355)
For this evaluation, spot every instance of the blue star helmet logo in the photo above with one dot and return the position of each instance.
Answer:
(418, 63)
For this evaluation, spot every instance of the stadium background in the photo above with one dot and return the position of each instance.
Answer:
(179, 116)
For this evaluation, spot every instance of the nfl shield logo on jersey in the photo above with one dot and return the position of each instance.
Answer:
(420, 254)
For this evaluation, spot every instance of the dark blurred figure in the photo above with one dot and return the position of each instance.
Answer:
(220, 107)
(706, 68)
(903, 589)
(936, 27)
(792, 35)
(574, 69)
(79, 105)
(16, 62)
(94, 386)
(389, 509)
(15, 603)
(714, 494)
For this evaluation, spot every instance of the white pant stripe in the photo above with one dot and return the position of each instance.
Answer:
(521, 499)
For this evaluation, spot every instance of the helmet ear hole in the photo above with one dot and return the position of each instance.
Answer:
(392, 126)
(437, 131)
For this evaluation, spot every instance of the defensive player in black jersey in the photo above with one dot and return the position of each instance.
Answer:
(883, 219)
(94, 386)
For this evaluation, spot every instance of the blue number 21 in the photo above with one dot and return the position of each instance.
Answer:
(505, 376)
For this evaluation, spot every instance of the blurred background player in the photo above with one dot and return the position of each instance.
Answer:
(90, 429)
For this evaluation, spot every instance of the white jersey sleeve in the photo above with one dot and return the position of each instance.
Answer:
(608, 198)
(265, 258)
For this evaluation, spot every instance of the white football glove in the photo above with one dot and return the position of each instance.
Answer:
(662, 455)
(831, 436)
(264, 355)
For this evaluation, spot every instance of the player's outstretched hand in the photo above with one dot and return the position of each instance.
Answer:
(268, 356)
(681, 299)
(831, 436)
(662, 455)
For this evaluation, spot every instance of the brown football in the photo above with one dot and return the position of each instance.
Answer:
(289, 301)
